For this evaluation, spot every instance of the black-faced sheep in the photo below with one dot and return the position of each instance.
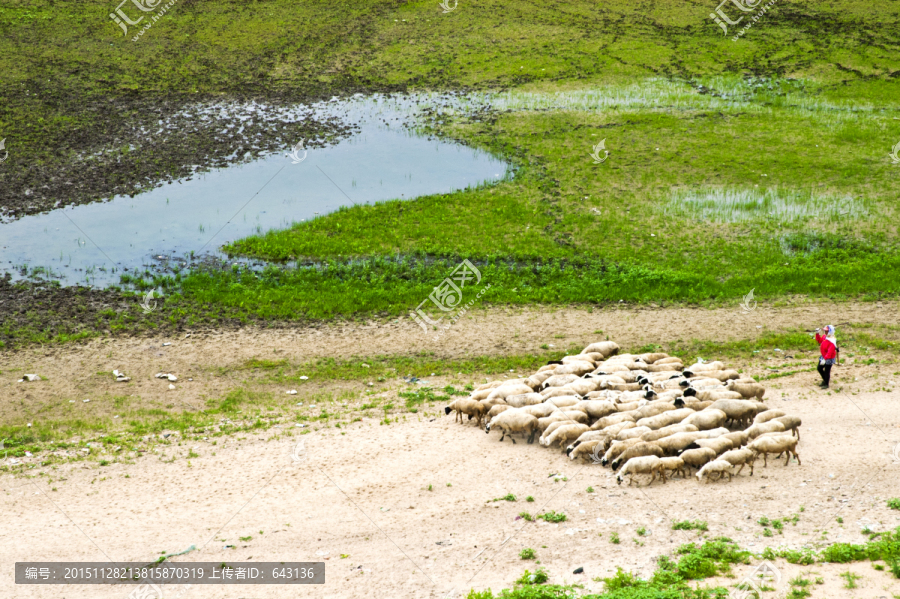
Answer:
(715, 467)
(642, 465)
(513, 421)
(776, 445)
(474, 409)
(740, 457)
(637, 450)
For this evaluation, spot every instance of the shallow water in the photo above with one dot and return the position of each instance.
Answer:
(95, 243)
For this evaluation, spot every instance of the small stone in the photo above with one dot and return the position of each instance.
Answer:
(579, 570)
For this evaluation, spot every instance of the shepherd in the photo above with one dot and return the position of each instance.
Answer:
(828, 348)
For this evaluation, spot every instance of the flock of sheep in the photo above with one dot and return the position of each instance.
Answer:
(642, 414)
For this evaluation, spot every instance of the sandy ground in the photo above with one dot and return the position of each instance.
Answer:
(362, 491)
(72, 369)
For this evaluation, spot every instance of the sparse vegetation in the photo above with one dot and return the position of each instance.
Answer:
(691, 525)
(527, 553)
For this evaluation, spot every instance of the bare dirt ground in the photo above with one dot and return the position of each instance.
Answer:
(358, 498)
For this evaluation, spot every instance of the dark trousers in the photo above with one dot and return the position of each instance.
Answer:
(825, 371)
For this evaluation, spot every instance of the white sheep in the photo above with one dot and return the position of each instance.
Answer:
(564, 434)
(747, 390)
(666, 418)
(606, 348)
(504, 391)
(719, 444)
(667, 431)
(635, 451)
(719, 467)
(583, 450)
(616, 449)
(764, 417)
(697, 458)
(641, 465)
(674, 465)
(707, 419)
(772, 426)
(791, 423)
(775, 445)
(740, 457)
(513, 421)
(523, 399)
(631, 433)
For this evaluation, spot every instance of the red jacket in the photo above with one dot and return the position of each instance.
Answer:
(829, 351)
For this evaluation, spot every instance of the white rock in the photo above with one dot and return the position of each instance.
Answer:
(31, 377)
(292, 392)
(171, 386)
(172, 378)
(304, 378)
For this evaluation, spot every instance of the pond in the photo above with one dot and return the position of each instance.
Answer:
(93, 244)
